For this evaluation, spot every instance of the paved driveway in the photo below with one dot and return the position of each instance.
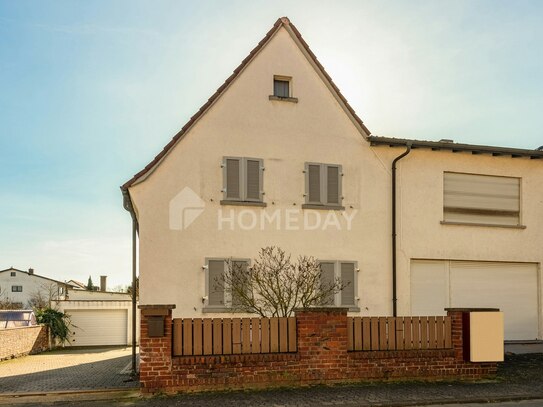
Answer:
(68, 370)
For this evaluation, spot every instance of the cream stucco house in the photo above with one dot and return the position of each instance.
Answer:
(278, 157)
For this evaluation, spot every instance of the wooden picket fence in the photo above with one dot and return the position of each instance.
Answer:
(402, 333)
(231, 336)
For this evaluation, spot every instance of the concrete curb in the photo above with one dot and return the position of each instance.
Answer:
(7, 399)
(474, 400)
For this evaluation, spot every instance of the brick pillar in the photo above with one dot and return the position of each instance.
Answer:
(457, 334)
(155, 351)
(322, 342)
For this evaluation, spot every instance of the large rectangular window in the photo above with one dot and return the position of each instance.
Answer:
(481, 199)
(16, 288)
(346, 273)
(323, 184)
(217, 292)
(243, 179)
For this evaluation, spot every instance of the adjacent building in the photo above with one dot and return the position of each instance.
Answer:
(277, 156)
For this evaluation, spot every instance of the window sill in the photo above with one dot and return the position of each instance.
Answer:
(243, 203)
(283, 99)
(483, 224)
(218, 310)
(324, 207)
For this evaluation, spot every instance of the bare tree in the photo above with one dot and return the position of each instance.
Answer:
(275, 286)
(44, 297)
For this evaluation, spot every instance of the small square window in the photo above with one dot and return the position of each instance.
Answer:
(13, 274)
(281, 87)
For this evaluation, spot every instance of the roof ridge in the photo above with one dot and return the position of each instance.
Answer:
(282, 21)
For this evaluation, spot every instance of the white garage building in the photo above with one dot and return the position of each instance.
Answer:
(100, 318)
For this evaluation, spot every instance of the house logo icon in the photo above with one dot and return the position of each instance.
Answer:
(185, 207)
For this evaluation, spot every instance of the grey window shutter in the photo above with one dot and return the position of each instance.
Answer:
(327, 279)
(347, 277)
(280, 88)
(233, 187)
(216, 291)
(253, 180)
(314, 183)
(332, 185)
(241, 266)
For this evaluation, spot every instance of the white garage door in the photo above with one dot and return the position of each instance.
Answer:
(99, 327)
(511, 287)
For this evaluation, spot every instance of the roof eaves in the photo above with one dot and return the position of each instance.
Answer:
(456, 147)
(204, 108)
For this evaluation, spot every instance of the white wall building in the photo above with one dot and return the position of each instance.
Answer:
(278, 157)
(19, 286)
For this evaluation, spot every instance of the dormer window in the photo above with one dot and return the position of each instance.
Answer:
(282, 89)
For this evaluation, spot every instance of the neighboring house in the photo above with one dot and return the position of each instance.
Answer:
(278, 157)
(19, 286)
(76, 285)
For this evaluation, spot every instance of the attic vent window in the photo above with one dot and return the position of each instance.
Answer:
(282, 89)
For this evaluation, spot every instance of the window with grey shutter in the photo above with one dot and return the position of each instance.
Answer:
(481, 199)
(332, 185)
(348, 279)
(240, 265)
(314, 183)
(327, 279)
(243, 179)
(233, 178)
(253, 179)
(215, 269)
(323, 184)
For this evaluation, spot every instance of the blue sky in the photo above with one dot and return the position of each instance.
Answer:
(90, 92)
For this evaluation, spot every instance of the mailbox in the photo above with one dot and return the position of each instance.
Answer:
(155, 326)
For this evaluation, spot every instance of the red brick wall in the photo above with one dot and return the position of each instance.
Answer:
(322, 357)
(21, 341)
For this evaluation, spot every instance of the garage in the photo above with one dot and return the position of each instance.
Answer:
(100, 327)
(511, 287)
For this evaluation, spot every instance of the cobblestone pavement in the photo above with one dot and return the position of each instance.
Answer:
(69, 369)
(520, 377)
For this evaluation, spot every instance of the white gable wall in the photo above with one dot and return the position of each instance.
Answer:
(243, 122)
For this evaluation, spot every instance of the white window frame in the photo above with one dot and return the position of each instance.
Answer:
(337, 274)
(227, 307)
(243, 179)
(323, 172)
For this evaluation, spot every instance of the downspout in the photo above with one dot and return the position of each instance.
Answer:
(127, 204)
(394, 285)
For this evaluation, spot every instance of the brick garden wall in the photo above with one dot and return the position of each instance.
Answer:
(322, 357)
(21, 341)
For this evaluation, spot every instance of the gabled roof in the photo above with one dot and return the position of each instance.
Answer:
(33, 275)
(77, 284)
(281, 22)
(455, 147)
